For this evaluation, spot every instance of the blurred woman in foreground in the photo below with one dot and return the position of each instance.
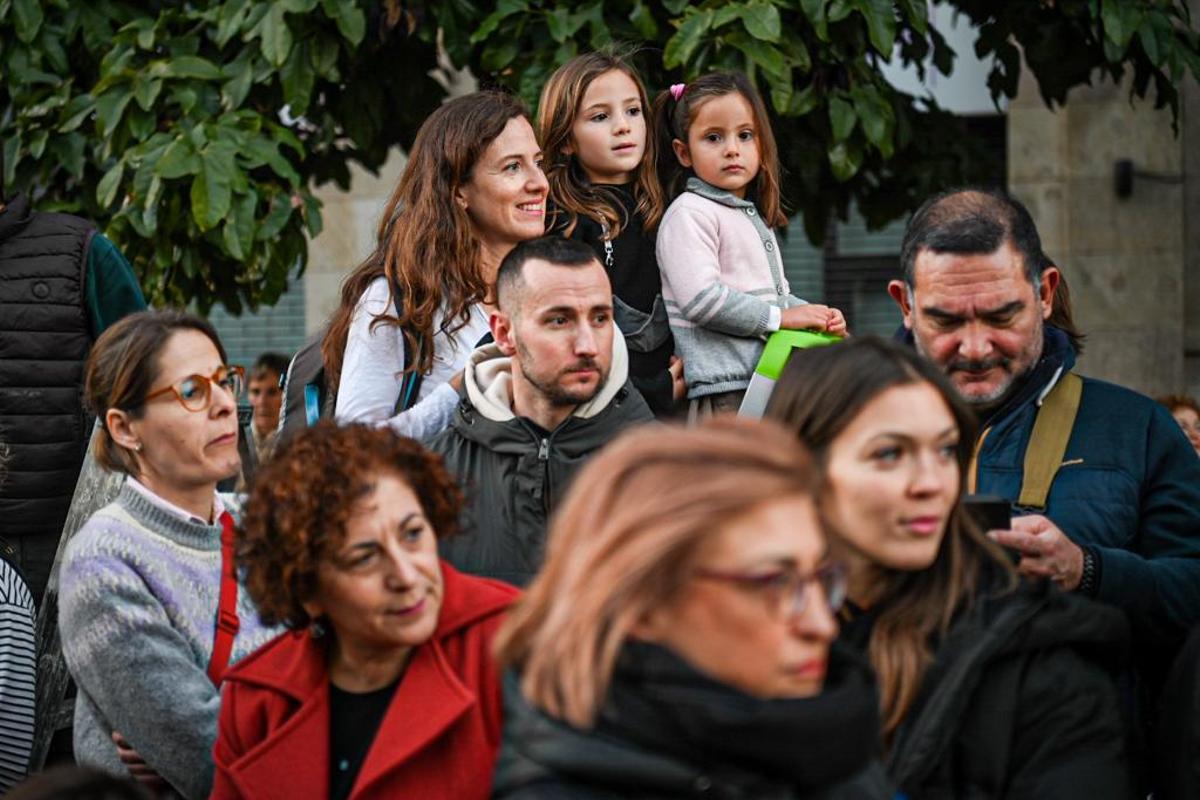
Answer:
(677, 641)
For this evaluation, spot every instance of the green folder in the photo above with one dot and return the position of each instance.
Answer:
(775, 355)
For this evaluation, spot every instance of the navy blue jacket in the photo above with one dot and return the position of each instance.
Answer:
(1128, 489)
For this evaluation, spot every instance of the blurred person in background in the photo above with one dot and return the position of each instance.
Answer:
(991, 686)
(385, 685)
(150, 611)
(18, 661)
(62, 283)
(266, 398)
(678, 641)
(1186, 412)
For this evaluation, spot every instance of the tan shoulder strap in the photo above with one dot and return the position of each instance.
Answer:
(1048, 441)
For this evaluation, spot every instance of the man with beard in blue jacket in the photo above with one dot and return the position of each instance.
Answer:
(1121, 520)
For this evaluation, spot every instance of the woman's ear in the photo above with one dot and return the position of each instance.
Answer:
(682, 153)
(649, 627)
(122, 429)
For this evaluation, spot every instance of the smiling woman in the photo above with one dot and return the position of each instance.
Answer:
(144, 582)
(472, 189)
(385, 687)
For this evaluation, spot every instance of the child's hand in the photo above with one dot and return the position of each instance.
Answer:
(837, 323)
(678, 386)
(813, 316)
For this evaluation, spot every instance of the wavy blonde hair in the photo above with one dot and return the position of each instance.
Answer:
(625, 541)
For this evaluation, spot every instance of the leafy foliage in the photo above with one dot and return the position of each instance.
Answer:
(194, 131)
(163, 122)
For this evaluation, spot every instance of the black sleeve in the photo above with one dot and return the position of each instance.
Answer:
(1070, 735)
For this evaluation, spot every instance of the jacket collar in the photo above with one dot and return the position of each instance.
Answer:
(15, 216)
(488, 382)
(709, 192)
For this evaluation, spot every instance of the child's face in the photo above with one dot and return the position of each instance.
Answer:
(722, 145)
(609, 133)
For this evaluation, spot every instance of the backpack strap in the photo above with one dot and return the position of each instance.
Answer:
(227, 617)
(1048, 441)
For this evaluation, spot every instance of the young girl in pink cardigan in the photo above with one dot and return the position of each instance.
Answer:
(722, 274)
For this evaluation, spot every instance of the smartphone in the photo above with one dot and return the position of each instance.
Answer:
(990, 512)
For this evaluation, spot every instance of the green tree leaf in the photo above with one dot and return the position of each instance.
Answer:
(845, 159)
(106, 189)
(211, 189)
(297, 76)
(815, 11)
(276, 36)
(842, 118)
(110, 106)
(27, 15)
(146, 90)
(881, 24)
(351, 21)
(761, 19)
(685, 41)
(1121, 19)
(643, 20)
(191, 67)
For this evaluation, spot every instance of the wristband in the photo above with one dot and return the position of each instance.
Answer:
(1089, 581)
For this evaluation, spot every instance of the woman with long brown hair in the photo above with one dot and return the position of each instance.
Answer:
(677, 641)
(472, 189)
(990, 687)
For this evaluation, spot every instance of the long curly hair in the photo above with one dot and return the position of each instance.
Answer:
(572, 193)
(300, 501)
(425, 245)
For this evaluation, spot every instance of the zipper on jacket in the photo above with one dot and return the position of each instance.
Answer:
(544, 449)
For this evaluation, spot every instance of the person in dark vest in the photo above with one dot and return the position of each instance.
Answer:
(61, 284)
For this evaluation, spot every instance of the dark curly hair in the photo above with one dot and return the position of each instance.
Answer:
(300, 502)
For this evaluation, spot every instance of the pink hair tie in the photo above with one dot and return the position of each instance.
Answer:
(677, 90)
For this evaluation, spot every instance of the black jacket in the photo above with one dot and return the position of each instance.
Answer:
(513, 473)
(1020, 702)
(666, 731)
(44, 343)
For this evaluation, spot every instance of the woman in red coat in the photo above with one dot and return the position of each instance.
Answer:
(385, 687)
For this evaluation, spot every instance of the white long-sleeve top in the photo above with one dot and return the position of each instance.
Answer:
(373, 369)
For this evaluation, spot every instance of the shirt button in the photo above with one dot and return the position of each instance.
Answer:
(750, 211)
(702, 784)
(770, 246)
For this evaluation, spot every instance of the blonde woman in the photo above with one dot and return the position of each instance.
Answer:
(677, 641)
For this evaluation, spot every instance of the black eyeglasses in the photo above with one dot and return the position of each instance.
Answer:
(786, 591)
(195, 391)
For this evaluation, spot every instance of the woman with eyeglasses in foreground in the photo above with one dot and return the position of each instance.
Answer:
(145, 580)
(677, 640)
(990, 687)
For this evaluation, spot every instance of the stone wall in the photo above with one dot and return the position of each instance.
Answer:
(347, 237)
(1124, 257)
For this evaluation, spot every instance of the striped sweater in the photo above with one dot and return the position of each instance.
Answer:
(723, 283)
(138, 603)
(17, 671)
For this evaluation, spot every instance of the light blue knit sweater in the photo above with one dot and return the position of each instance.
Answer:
(138, 601)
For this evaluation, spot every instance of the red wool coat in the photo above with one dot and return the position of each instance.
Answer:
(437, 741)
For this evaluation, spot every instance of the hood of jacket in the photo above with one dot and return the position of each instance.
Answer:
(667, 730)
(488, 382)
(1035, 616)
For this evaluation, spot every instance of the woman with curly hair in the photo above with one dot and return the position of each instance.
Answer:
(384, 687)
